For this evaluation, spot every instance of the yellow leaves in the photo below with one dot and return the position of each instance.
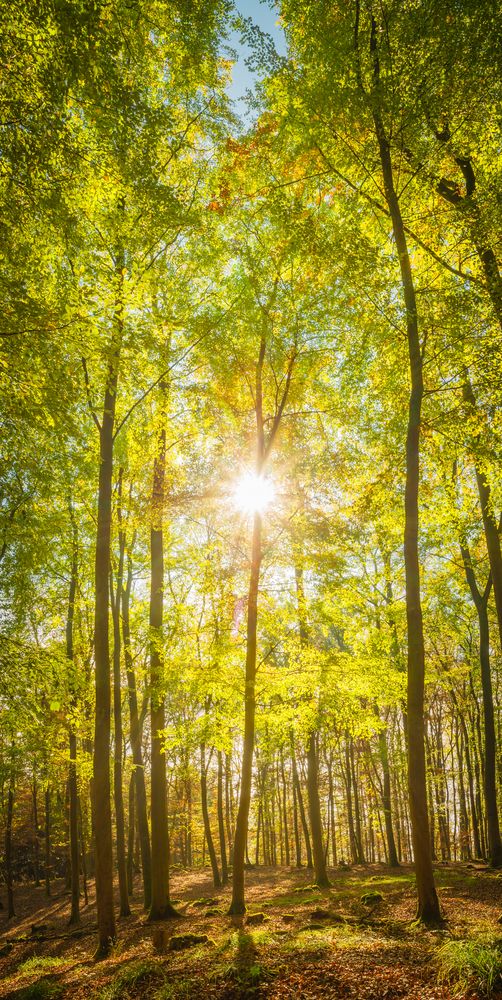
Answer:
(215, 206)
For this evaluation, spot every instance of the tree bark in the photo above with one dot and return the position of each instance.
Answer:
(221, 822)
(205, 817)
(238, 905)
(118, 740)
(480, 601)
(428, 909)
(386, 797)
(131, 830)
(72, 772)
(48, 841)
(160, 907)
(8, 851)
(101, 763)
(301, 808)
(136, 747)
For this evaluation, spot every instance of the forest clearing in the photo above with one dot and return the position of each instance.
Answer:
(250, 499)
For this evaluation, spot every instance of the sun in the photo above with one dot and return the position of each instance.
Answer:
(253, 493)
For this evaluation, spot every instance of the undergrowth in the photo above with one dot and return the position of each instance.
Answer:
(138, 977)
(474, 965)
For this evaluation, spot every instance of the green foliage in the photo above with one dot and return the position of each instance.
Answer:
(471, 965)
(43, 989)
(40, 964)
(139, 976)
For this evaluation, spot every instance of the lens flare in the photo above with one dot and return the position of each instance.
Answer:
(253, 493)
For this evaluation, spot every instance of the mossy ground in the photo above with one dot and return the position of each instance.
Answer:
(351, 955)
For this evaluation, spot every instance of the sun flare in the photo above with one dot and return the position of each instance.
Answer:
(253, 493)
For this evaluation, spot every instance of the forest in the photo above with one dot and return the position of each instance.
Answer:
(250, 500)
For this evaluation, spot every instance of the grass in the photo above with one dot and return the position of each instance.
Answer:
(136, 977)
(181, 989)
(43, 989)
(39, 964)
(474, 965)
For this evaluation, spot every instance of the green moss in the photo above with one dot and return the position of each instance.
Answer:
(371, 898)
(179, 942)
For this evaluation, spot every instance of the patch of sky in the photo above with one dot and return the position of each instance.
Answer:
(261, 17)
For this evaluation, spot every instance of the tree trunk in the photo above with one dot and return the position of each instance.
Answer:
(428, 909)
(137, 751)
(102, 812)
(361, 860)
(221, 822)
(490, 744)
(205, 817)
(301, 808)
(298, 847)
(285, 812)
(8, 851)
(36, 830)
(47, 841)
(160, 907)
(131, 830)
(354, 852)
(489, 521)
(264, 447)
(238, 905)
(72, 772)
(321, 875)
(118, 740)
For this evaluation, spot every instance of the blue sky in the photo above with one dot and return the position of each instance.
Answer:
(265, 15)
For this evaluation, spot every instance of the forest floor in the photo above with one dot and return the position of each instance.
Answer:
(351, 951)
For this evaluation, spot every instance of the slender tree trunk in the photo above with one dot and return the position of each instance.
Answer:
(205, 817)
(228, 806)
(464, 837)
(118, 741)
(490, 745)
(428, 909)
(264, 447)
(331, 806)
(285, 811)
(102, 813)
(131, 830)
(160, 907)
(8, 851)
(221, 822)
(357, 807)
(48, 841)
(354, 850)
(36, 830)
(490, 525)
(72, 772)
(470, 777)
(321, 875)
(386, 797)
(301, 808)
(83, 850)
(135, 738)
(238, 905)
(298, 847)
